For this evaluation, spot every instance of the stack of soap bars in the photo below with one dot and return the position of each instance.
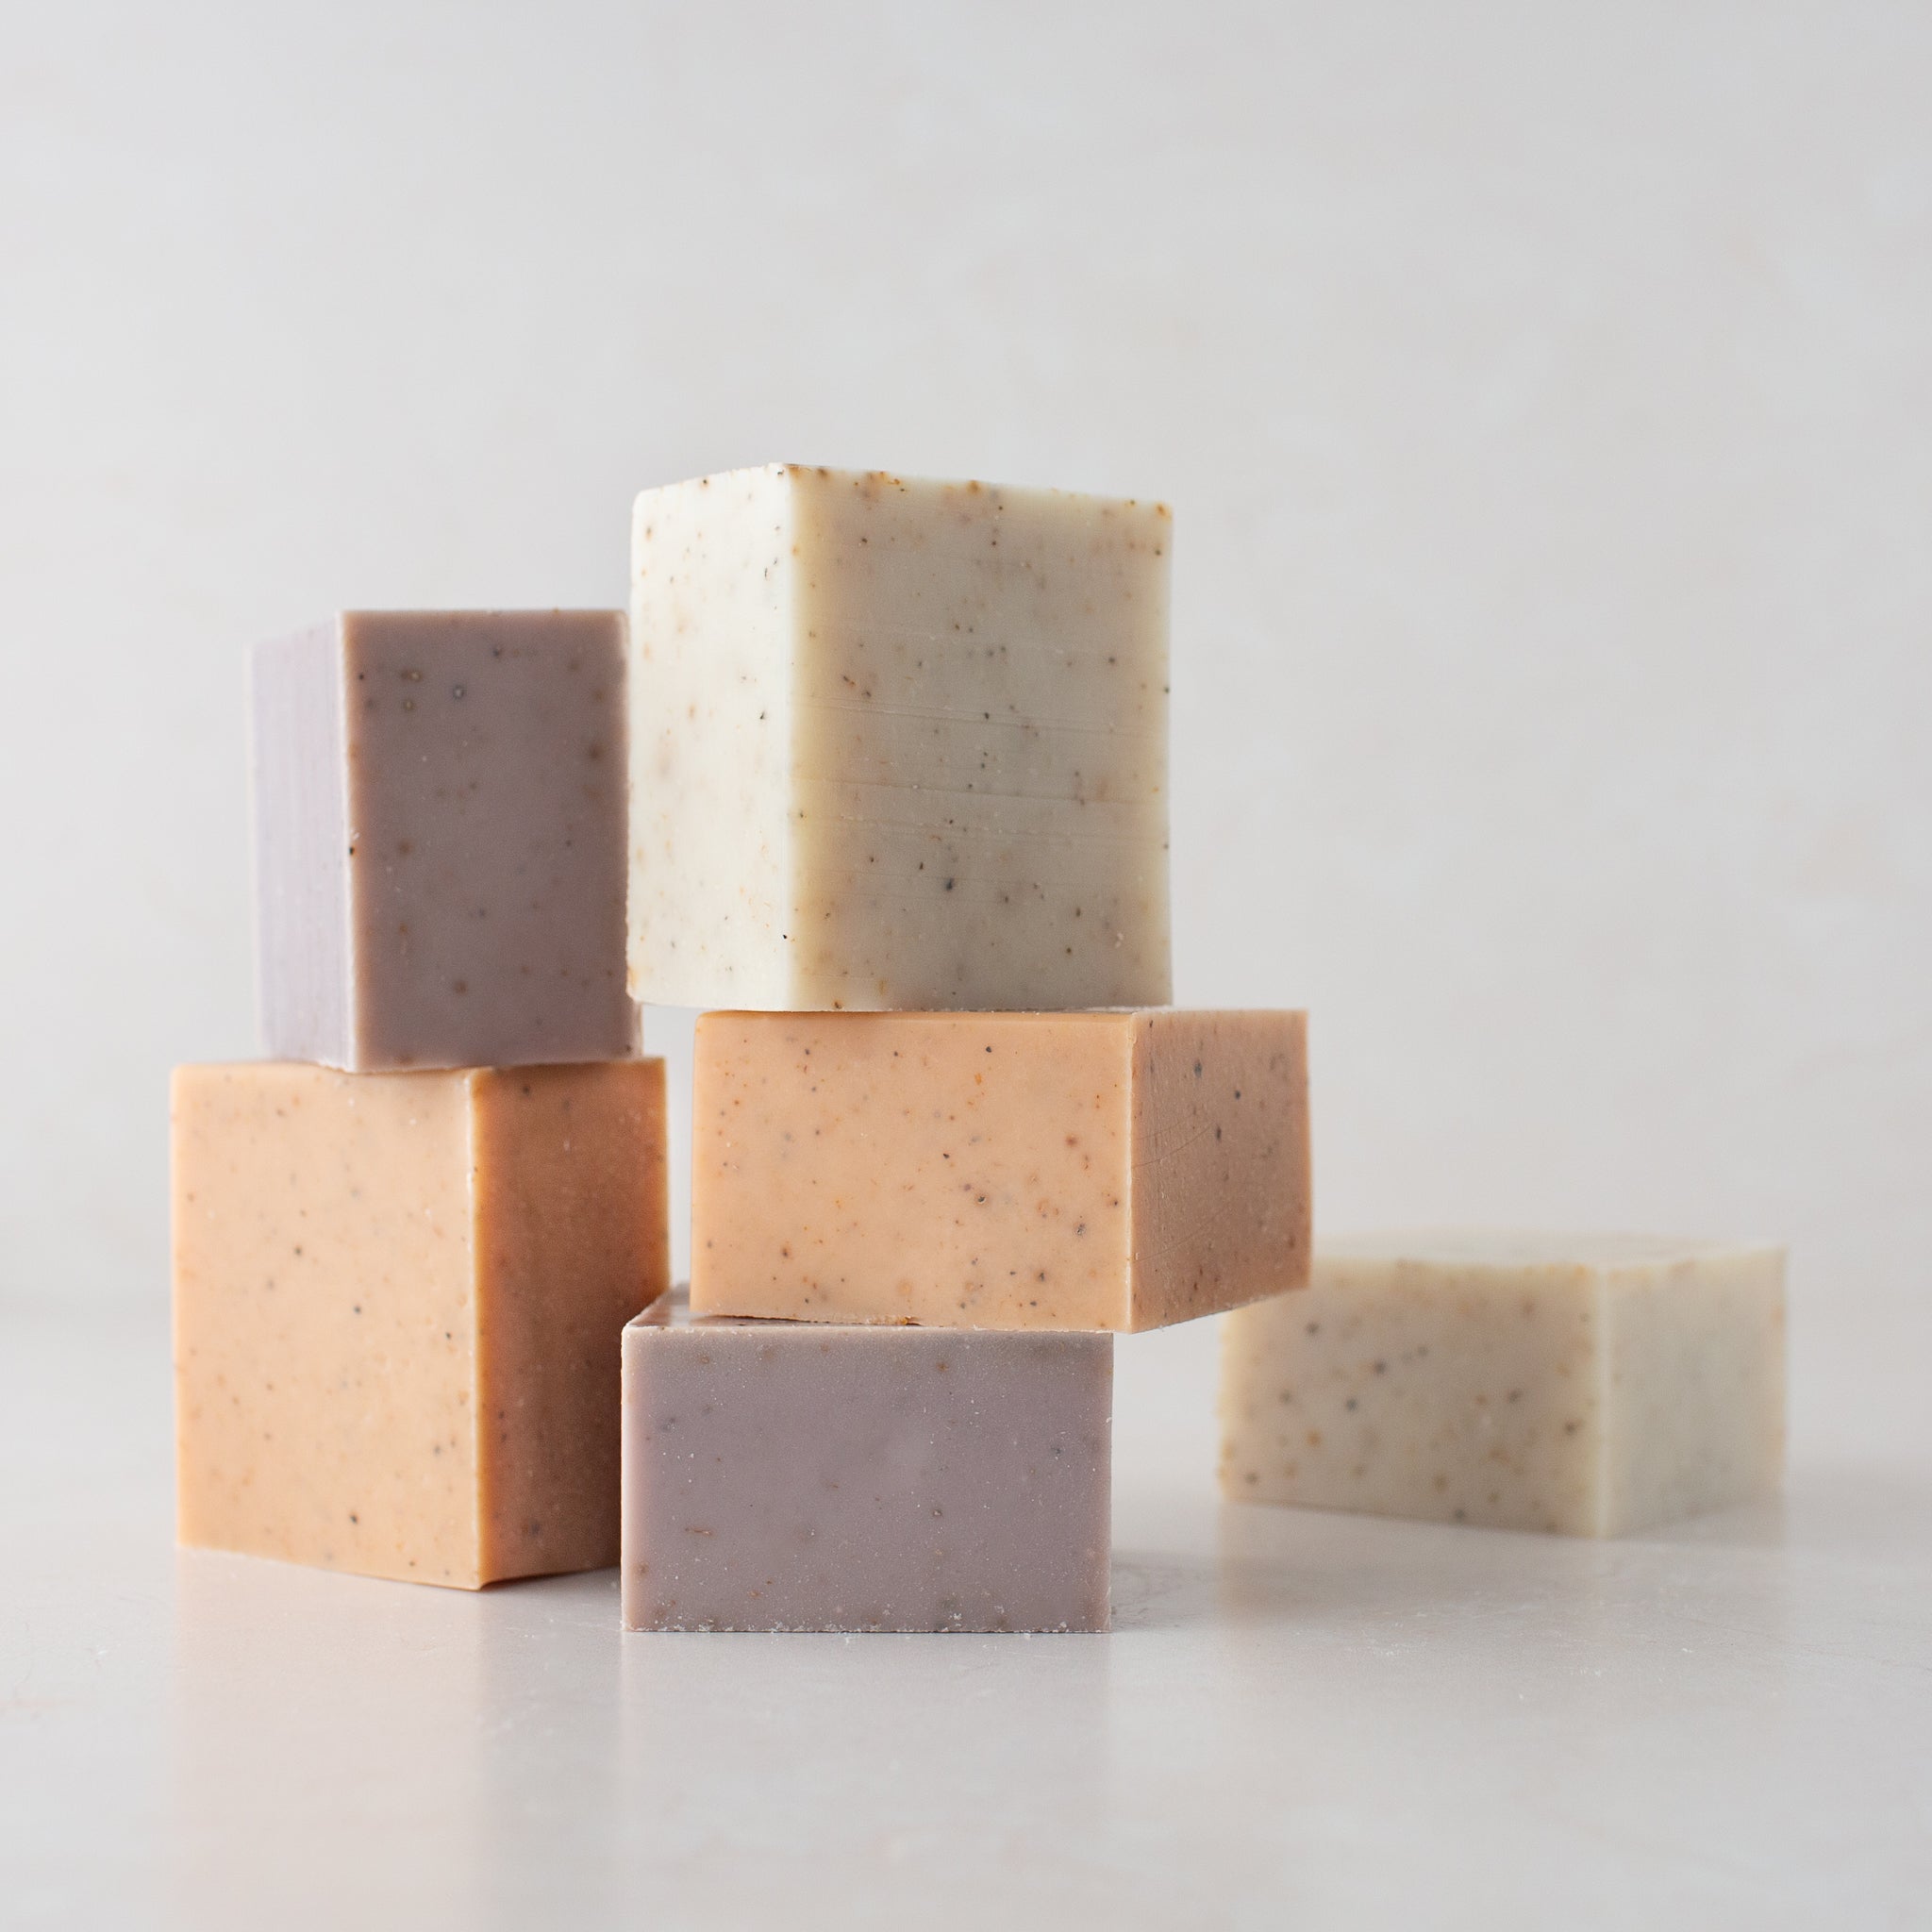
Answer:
(877, 774)
(404, 1247)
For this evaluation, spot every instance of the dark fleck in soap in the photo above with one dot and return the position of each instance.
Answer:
(440, 845)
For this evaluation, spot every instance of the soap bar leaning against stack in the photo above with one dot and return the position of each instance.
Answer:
(397, 1304)
(791, 1476)
(897, 744)
(440, 839)
(1592, 1384)
(1097, 1171)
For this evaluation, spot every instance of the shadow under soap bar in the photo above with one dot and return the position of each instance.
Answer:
(782, 1476)
(440, 839)
(1594, 1384)
(398, 1299)
(1101, 1171)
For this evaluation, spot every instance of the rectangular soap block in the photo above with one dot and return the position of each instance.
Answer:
(1592, 1384)
(440, 839)
(1102, 1171)
(897, 744)
(398, 1299)
(780, 1475)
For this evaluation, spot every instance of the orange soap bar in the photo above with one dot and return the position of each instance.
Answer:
(1114, 1170)
(398, 1304)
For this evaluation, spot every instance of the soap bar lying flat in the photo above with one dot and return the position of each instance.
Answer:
(397, 1305)
(1118, 1169)
(1593, 1385)
(781, 1476)
(897, 744)
(440, 839)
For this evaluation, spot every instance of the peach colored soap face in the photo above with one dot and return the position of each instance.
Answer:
(1100, 1170)
(398, 1299)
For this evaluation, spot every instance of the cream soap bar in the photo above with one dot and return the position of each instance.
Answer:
(1592, 1384)
(787, 1476)
(1099, 1171)
(398, 1299)
(897, 744)
(440, 839)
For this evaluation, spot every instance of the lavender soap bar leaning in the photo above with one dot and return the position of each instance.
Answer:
(782, 1476)
(440, 844)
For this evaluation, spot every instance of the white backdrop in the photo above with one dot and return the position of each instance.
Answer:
(1544, 395)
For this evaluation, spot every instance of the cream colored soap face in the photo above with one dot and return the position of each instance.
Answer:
(1592, 1384)
(398, 1299)
(1097, 1171)
(897, 744)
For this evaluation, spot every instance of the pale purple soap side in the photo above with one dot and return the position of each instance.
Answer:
(440, 841)
(785, 1476)
(297, 789)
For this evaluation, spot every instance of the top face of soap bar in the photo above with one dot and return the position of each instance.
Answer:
(897, 744)
(440, 839)
(1097, 1171)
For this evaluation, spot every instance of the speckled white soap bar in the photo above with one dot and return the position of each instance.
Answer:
(1594, 1385)
(897, 744)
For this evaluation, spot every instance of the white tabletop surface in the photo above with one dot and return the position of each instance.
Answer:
(1298, 1719)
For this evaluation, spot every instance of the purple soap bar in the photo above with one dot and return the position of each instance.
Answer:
(439, 840)
(789, 1476)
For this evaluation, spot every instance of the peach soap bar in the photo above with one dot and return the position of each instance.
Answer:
(897, 744)
(1592, 1384)
(398, 1299)
(440, 839)
(1097, 1171)
(780, 1475)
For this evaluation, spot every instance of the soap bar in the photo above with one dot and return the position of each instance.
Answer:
(440, 839)
(897, 744)
(781, 1476)
(1102, 1171)
(398, 1299)
(1591, 1384)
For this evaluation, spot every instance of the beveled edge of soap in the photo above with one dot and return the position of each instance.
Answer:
(1535, 1250)
(1060, 1015)
(1023, 494)
(337, 625)
(569, 613)
(671, 1313)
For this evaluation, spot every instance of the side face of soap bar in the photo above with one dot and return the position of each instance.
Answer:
(397, 1305)
(1064, 1171)
(897, 744)
(440, 840)
(785, 1477)
(1590, 1385)
(1694, 1360)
